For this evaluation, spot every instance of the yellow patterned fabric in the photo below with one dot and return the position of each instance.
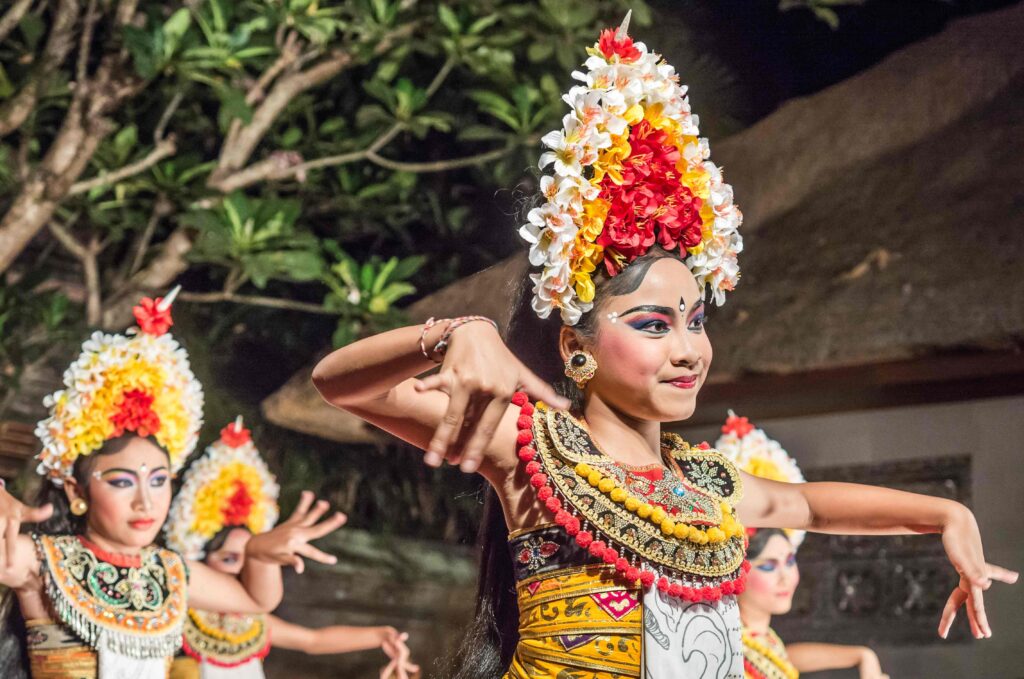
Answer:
(577, 622)
(764, 657)
(55, 653)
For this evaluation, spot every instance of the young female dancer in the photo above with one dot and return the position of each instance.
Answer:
(627, 543)
(229, 495)
(92, 595)
(774, 574)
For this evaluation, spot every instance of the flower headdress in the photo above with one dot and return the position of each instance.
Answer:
(139, 382)
(630, 172)
(229, 485)
(754, 452)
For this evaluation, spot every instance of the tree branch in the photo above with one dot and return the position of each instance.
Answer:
(66, 238)
(439, 165)
(12, 17)
(166, 147)
(84, 44)
(254, 300)
(59, 43)
(238, 148)
(165, 117)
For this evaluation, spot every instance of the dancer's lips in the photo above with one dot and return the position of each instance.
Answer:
(142, 524)
(686, 382)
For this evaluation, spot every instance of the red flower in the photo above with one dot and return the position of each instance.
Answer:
(239, 506)
(135, 414)
(650, 204)
(235, 437)
(151, 319)
(737, 425)
(610, 45)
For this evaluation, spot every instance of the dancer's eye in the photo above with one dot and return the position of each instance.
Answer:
(697, 323)
(791, 561)
(120, 482)
(766, 567)
(158, 481)
(653, 326)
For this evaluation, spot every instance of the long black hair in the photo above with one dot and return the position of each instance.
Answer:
(488, 644)
(13, 650)
(759, 540)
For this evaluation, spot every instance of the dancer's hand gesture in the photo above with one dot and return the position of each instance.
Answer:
(288, 542)
(962, 541)
(869, 667)
(13, 513)
(479, 374)
(400, 666)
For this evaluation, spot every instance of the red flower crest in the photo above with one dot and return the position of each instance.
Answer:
(650, 204)
(737, 425)
(611, 45)
(239, 506)
(135, 414)
(151, 318)
(235, 436)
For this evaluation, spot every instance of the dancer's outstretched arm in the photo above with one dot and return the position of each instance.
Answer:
(259, 588)
(853, 509)
(808, 657)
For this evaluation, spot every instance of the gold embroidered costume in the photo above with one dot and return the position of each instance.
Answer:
(764, 657)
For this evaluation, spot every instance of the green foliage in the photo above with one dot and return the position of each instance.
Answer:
(32, 323)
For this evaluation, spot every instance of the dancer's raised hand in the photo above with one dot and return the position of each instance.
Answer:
(13, 513)
(400, 667)
(479, 374)
(962, 542)
(288, 542)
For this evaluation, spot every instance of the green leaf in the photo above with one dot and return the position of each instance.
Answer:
(483, 23)
(232, 105)
(32, 28)
(291, 137)
(480, 133)
(174, 30)
(124, 142)
(366, 276)
(383, 274)
(407, 267)
(6, 88)
(141, 46)
(448, 19)
(540, 51)
(396, 291)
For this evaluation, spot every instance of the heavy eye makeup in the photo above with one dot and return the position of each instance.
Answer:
(697, 318)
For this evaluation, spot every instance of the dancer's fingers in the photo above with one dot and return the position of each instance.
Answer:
(311, 552)
(36, 514)
(541, 390)
(482, 435)
(388, 671)
(298, 564)
(1001, 574)
(305, 502)
(447, 431)
(977, 605)
(435, 382)
(313, 515)
(336, 521)
(953, 603)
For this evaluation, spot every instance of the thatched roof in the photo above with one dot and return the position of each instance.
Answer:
(882, 227)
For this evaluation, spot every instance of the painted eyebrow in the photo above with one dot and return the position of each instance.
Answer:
(122, 470)
(649, 308)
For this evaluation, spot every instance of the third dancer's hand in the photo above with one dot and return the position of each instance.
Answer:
(288, 542)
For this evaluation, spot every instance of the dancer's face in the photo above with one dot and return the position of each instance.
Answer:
(129, 493)
(230, 557)
(651, 349)
(772, 579)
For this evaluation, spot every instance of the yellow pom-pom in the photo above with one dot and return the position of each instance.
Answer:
(658, 515)
(682, 530)
(594, 477)
(644, 510)
(668, 526)
(618, 495)
(632, 504)
(606, 485)
(583, 469)
(716, 534)
(726, 509)
(697, 535)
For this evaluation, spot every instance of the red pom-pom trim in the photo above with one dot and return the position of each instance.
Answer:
(739, 586)
(745, 566)
(727, 587)
(573, 527)
(527, 409)
(663, 584)
(621, 565)
(525, 437)
(520, 398)
(524, 422)
(584, 539)
(610, 556)
(552, 503)
(632, 573)
(539, 480)
(526, 453)
(532, 468)
(646, 578)
(562, 518)
(544, 494)
(597, 548)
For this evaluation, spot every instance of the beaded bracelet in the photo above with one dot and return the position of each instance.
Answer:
(442, 345)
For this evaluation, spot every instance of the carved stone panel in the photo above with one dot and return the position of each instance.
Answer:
(878, 590)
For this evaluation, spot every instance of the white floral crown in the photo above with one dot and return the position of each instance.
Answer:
(140, 382)
(229, 485)
(754, 452)
(630, 172)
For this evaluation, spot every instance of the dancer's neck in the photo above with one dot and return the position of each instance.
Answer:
(757, 622)
(630, 440)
